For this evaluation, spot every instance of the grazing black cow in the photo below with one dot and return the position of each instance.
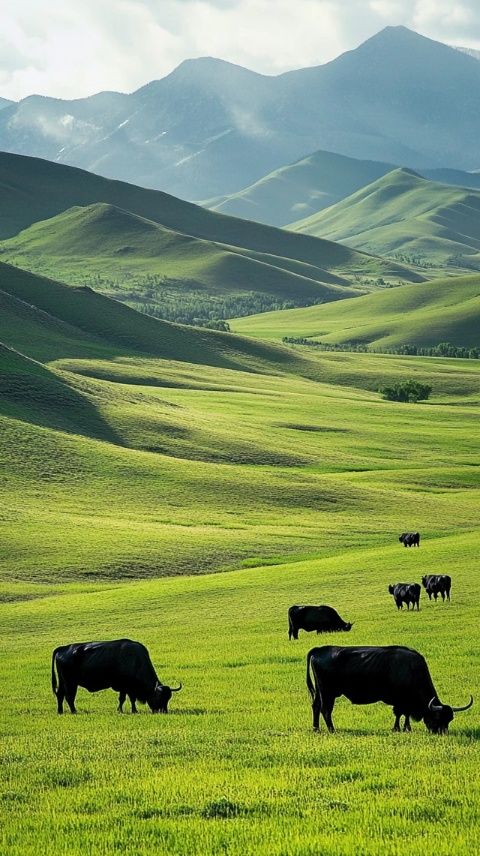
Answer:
(408, 593)
(435, 584)
(122, 665)
(323, 619)
(393, 674)
(410, 539)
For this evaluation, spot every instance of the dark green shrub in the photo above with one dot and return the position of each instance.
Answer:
(409, 390)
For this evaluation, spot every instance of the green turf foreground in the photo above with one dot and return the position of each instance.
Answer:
(235, 767)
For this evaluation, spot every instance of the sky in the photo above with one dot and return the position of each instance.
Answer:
(73, 48)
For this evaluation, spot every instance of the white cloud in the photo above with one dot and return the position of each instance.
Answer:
(69, 48)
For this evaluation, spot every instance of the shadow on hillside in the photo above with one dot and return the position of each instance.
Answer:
(33, 394)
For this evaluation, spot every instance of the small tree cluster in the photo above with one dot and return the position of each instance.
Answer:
(408, 390)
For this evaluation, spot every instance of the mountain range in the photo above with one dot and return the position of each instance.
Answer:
(211, 128)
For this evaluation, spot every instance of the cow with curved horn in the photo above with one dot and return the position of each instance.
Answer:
(394, 675)
(121, 665)
(442, 714)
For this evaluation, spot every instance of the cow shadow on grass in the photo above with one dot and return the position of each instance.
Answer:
(472, 734)
(192, 711)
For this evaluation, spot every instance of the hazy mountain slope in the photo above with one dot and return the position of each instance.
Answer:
(5, 102)
(211, 128)
(404, 213)
(444, 310)
(302, 189)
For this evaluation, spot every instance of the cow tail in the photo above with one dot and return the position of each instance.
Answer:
(310, 687)
(54, 676)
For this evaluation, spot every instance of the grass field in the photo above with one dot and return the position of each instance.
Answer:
(183, 488)
(235, 767)
(445, 310)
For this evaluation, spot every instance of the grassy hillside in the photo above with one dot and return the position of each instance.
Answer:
(406, 216)
(304, 188)
(34, 189)
(48, 320)
(165, 255)
(142, 262)
(446, 310)
(300, 189)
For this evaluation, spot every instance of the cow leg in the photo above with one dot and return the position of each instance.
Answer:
(70, 693)
(406, 724)
(60, 697)
(327, 708)
(396, 724)
(121, 700)
(443, 596)
(316, 709)
(132, 702)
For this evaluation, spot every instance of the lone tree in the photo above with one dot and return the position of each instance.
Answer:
(407, 390)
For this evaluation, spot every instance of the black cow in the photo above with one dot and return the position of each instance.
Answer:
(122, 665)
(408, 593)
(323, 619)
(393, 674)
(410, 539)
(435, 584)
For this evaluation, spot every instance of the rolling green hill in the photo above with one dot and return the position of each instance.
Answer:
(406, 216)
(48, 320)
(131, 256)
(164, 254)
(446, 310)
(300, 189)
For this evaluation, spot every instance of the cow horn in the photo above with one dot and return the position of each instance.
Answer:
(434, 707)
(465, 706)
(176, 689)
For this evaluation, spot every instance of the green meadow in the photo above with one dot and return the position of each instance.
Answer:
(184, 487)
(444, 310)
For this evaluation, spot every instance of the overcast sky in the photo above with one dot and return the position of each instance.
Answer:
(72, 48)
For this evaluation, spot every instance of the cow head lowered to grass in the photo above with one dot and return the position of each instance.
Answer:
(121, 665)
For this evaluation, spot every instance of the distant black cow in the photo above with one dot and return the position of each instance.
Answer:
(410, 539)
(395, 675)
(435, 584)
(122, 665)
(408, 593)
(323, 619)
